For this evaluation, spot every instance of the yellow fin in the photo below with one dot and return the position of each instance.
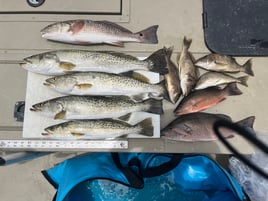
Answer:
(125, 118)
(137, 76)
(60, 115)
(123, 136)
(77, 134)
(67, 65)
(140, 77)
(84, 86)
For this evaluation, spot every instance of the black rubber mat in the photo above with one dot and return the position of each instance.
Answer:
(236, 27)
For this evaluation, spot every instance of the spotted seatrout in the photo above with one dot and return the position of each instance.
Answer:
(99, 129)
(95, 83)
(65, 61)
(94, 107)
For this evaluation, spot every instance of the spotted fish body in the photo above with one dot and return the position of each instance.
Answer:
(94, 107)
(99, 129)
(95, 83)
(86, 32)
(65, 61)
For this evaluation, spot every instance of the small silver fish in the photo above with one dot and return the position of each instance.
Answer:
(224, 63)
(105, 84)
(65, 61)
(99, 129)
(199, 127)
(94, 107)
(210, 79)
(86, 32)
(187, 71)
(172, 79)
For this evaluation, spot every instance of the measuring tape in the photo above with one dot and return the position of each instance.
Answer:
(67, 144)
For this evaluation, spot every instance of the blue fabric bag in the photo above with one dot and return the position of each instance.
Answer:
(142, 176)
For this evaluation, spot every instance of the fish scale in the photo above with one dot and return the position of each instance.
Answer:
(65, 61)
(94, 107)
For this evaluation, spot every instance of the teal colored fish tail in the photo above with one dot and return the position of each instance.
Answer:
(147, 128)
(248, 67)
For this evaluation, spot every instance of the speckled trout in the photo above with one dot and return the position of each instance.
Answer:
(99, 129)
(106, 84)
(94, 107)
(65, 61)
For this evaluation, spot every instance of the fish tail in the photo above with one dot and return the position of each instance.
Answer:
(147, 128)
(157, 61)
(247, 122)
(187, 42)
(156, 106)
(169, 52)
(248, 67)
(232, 89)
(148, 35)
(243, 80)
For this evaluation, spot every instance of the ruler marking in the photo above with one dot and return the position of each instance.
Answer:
(46, 144)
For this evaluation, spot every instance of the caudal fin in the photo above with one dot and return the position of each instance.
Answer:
(147, 128)
(232, 89)
(157, 61)
(187, 42)
(248, 67)
(148, 35)
(243, 80)
(156, 106)
(247, 122)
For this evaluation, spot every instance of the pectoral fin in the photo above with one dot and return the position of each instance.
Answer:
(67, 66)
(60, 115)
(84, 86)
(137, 76)
(77, 134)
(117, 43)
(140, 97)
(125, 117)
(220, 63)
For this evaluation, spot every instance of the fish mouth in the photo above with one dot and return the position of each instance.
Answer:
(35, 108)
(47, 132)
(26, 61)
(48, 83)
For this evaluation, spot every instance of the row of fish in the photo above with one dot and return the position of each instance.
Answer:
(102, 88)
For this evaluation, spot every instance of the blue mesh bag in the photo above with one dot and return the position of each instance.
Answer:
(142, 176)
